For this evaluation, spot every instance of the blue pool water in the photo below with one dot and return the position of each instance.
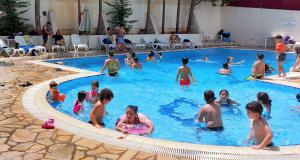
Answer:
(173, 108)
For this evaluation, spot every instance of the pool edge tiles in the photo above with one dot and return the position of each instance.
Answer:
(34, 101)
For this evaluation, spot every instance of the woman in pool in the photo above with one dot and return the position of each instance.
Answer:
(185, 73)
(264, 99)
(224, 98)
(111, 64)
(129, 122)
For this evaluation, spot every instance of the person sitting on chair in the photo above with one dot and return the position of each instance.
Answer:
(174, 38)
(59, 39)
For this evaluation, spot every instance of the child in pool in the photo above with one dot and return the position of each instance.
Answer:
(78, 106)
(224, 98)
(264, 99)
(260, 132)
(131, 119)
(159, 55)
(230, 61)
(298, 99)
(129, 60)
(185, 73)
(54, 93)
(150, 57)
(136, 64)
(91, 96)
(98, 111)
(210, 113)
(225, 70)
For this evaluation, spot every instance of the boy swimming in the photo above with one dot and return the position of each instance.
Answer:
(98, 111)
(111, 64)
(185, 73)
(211, 112)
(260, 131)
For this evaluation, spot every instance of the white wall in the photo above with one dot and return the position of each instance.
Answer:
(249, 26)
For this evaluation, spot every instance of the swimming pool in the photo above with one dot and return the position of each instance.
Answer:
(173, 108)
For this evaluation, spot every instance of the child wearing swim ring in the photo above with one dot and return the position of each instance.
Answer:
(54, 93)
(131, 119)
(150, 57)
(91, 96)
(78, 106)
(185, 73)
(224, 98)
(112, 64)
(264, 99)
(280, 55)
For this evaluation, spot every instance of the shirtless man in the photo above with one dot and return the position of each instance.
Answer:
(261, 132)
(98, 111)
(111, 64)
(120, 31)
(211, 112)
(174, 38)
(185, 73)
(258, 69)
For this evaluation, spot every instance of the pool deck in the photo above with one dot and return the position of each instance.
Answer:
(21, 135)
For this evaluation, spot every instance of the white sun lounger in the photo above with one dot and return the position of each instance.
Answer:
(75, 40)
(21, 41)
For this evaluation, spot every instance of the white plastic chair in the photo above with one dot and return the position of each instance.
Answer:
(107, 46)
(11, 51)
(149, 42)
(137, 44)
(75, 39)
(21, 41)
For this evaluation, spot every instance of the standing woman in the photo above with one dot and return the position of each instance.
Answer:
(45, 34)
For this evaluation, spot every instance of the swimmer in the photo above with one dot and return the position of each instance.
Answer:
(298, 99)
(260, 132)
(150, 57)
(224, 98)
(111, 64)
(129, 60)
(54, 92)
(159, 55)
(78, 106)
(132, 118)
(91, 96)
(185, 73)
(225, 70)
(230, 61)
(136, 64)
(264, 99)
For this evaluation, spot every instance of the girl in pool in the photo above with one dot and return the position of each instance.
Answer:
(111, 64)
(224, 98)
(230, 61)
(91, 96)
(132, 119)
(78, 106)
(185, 73)
(264, 99)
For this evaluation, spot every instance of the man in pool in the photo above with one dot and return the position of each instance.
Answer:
(112, 64)
(211, 112)
(260, 132)
(258, 68)
(98, 111)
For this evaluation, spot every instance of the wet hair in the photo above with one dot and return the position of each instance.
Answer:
(224, 90)
(255, 107)
(264, 98)
(260, 56)
(225, 65)
(278, 37)
(136, 59)
(228, 59)
(151, 54)
(298, 97)
(111, 53)
(133, 54)
(53, 84)
(81, 96)
(105, 94)
(209, 96)
(159, 53)
(185, 60)
(95, 83)
(134, 108)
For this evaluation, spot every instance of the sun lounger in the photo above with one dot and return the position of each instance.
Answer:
(107, 46)
(149, 42)
(28, 48)
(9, 52)
(75, 39)
(136, 44)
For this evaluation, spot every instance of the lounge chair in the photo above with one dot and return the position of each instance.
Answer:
(28, 48)
(107, 46)
(161, 43)
(9, 52)
(185, 43)
(135, 44)
(75, 39)
(149, 42)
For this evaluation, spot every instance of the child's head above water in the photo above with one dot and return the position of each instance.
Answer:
(131, 113)
(225, 65)
(298, 97)
(224, 93)
(53, 84)
(229, 59)
(260, 56)
(81, 96)
(159, 53)
(209, 96)
(136, 59)
(95, 85)
(185, 60)
(263, 98)
(151, 54)
(105, 94)
(254, 109)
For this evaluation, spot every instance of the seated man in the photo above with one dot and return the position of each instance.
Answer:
(258, 69)
(174, 38)
(59, 39)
